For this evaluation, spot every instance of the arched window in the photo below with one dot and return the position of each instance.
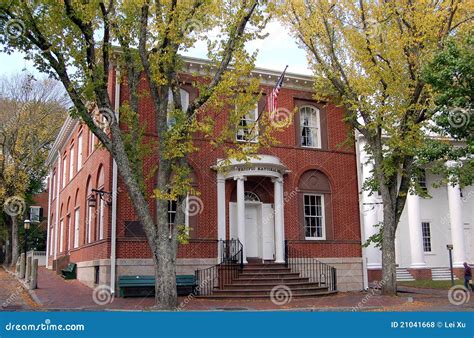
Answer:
(89, 212)
(315, 204)
(250, 196)
(77, 217)
(184, 104)
(310, 129)
(99, 233)
(61, 230)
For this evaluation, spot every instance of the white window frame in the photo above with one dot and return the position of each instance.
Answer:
(61, 235)
(64, 171)
(79, 151)
(101, 210)
(91, 143)
(323, 218)
(240, 135)
(429, 237)
(184, 104)
(77, 217)
(35, 211)
(71, 162)
(312, 127)
(89, 224)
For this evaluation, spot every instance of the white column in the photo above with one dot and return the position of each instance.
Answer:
(457, 226)
(416, 236)
(370, 209)
(48, 233)
(279, 222)
(56, 215)
(241, 213)
(221, 206)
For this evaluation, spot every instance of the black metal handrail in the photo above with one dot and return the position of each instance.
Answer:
(222, 274)
(316, 271)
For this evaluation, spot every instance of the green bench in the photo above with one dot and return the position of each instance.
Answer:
(69, 272)
(143, 286)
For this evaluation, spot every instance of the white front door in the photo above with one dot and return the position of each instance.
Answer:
(268, 232)
(251, 230)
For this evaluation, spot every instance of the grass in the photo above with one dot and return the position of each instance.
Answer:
(431, 284)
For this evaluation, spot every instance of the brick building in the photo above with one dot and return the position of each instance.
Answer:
(311, 173)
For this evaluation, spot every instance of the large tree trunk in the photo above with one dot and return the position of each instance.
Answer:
(8, 247)
(15, 248)
(389, 271)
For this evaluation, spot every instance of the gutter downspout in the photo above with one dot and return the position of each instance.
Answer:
(113, 237)
(365, 276)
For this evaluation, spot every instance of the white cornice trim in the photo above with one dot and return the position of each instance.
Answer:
(63, 136)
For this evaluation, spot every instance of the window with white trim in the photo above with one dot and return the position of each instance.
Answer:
(71, 162)
(64, 171)
(184, 105)
(310, 130)
(171, 212)
(426, 232)
(247, 130)
(61, 236)
(76, 227)
(79, 151)
(314, 216)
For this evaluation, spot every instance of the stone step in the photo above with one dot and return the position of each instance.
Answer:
(264, 286)
(278, 280)
(267, 292)
(269, 274)
(241, 296)
(265, 269)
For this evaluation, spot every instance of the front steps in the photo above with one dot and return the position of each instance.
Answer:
(257, 280)
(441, 274)
(403, 275)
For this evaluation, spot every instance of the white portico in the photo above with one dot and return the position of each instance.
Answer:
(258, 225)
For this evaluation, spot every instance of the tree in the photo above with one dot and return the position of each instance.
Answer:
(368, 57)
(31, 112)
(451, 76)
(77, 43)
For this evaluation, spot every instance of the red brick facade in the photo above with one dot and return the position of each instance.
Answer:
(337, 162)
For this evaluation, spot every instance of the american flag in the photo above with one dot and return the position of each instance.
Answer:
(272, 98)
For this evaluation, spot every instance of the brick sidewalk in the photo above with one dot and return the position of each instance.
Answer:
(12, 294)
(56, 293)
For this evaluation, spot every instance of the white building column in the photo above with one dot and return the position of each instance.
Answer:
(416, 235)
(221, 206)
(370, 208)
(279, 221)
(457, 226)
(241, 213)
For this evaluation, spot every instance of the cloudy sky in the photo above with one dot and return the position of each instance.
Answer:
(275, 52)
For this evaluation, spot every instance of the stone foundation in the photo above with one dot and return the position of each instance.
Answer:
(348, 272)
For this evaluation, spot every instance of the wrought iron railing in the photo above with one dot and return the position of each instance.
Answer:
(229, 268)
(317, 272)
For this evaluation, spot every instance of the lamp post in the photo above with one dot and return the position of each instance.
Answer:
(450, 250)
(26, 225)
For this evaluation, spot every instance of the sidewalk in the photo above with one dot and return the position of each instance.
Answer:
(13, 296)
(55, 293)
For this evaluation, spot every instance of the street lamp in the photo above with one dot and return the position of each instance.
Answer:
(450, 250)
(102, 194)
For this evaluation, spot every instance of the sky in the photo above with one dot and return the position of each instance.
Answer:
(276, 51)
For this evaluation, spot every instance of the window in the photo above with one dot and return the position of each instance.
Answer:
(79, 152)
(61, 236)
(248, 127)
(100, 235)
(91, 143)
(36, 214)
(64, 171)
(251, 197)
(71, 162)
(53, 184)
(422, 181)
(184, 105)
(90, 213)
(310, 127)
(426, 232)
(313, 216)
(171, 212)
(76, 227)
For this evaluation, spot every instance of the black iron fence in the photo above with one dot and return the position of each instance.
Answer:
(217, 276)
(317, 272)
